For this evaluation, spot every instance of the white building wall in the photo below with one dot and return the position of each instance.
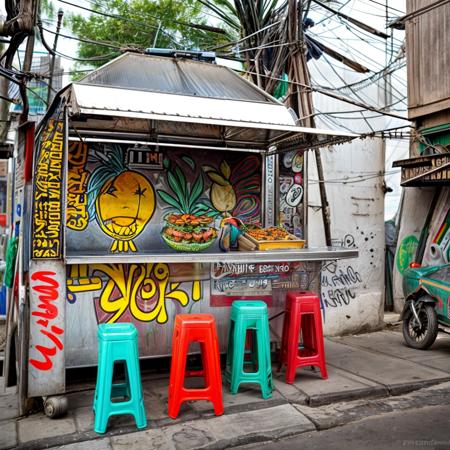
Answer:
(353, 289)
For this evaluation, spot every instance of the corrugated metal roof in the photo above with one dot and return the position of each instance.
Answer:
(175, 76)
(116, 101)
(191, 102)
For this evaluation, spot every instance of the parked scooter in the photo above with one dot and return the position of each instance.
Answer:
(427, 294)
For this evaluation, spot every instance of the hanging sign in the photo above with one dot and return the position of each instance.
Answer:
(47, 194)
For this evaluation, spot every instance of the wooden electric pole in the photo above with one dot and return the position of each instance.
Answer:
(300, 99)
(53, 57)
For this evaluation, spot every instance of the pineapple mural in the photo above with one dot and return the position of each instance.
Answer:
(121, 200)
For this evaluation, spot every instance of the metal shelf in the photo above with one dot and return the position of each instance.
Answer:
(307, 254)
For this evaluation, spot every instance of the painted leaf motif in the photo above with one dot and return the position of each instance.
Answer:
(182, 181)
(200, 208)
(217, 178)
(249, 185)
(225, 169)
(248, 208)
(189, 161)
(177, 190)
(244, 168)
(207, 169)
(196, 190)
(169, 199)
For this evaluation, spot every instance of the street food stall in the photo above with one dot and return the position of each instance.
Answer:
(161, 186)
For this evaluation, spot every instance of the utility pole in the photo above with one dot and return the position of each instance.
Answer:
(4, 107)
(28, 60)
(302, 103)
(52, 62)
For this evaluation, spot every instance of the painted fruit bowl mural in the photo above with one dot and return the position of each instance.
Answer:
(189, 225)
(190, 232)
(233, 191)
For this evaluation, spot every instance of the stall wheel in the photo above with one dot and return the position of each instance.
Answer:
(55, 407)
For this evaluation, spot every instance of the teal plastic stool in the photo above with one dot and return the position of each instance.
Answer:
(118, 342)
(249, 315)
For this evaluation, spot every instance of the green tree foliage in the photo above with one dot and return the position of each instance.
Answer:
(140, 24)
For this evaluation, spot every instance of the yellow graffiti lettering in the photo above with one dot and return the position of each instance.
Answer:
(76, 215)
(132, 287)
(196, 290)
(79, 281)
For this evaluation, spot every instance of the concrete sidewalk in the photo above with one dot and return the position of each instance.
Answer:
(360, 368)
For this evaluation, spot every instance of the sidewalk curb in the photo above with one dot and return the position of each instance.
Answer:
(361, 406)
(357, 394)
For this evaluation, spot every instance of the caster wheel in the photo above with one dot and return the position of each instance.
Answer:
(55, 407)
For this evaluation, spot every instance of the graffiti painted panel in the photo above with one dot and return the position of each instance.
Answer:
(406, 252)
(135, 292)
(291, 192)
(232, 281)
(339, 285)
(47, 196)
(46, 361)
(437, 249)
(119, 203)
(76, 209)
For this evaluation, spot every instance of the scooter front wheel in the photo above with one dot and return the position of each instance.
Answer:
(420, 335)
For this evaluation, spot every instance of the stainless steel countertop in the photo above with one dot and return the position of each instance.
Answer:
(306, 254)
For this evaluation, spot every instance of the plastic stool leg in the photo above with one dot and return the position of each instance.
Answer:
(104, 394)
(320, 346)
(135, 388)
(177, 370)
(230, 351)
(213, 368)
(205, 363)
(284, 340)
(292, 348)
(264, 358)
(238, 356)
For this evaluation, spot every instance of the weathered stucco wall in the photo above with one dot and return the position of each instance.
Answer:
(352, 290)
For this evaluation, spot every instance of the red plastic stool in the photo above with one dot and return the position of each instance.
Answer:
(195, 328)
(302, 314)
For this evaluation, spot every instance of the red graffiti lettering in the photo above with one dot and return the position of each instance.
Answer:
(46, 352)
(47, 294)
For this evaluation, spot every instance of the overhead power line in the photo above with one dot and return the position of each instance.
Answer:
(356, 22)
(329, 94)
(198, 26)
(400, 23)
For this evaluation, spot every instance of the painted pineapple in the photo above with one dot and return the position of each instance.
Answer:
(222, 194)
(122, 200)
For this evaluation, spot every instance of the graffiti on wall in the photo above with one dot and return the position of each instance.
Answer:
(340, 280)
(440, 246)
(406, 252)
(291, 192)
(137, 290)
(47, 195)
(339, 284)
(76, 213)
(180, 195)
(121, 200)
(234, 191)
(106, 197)
(45, 286)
